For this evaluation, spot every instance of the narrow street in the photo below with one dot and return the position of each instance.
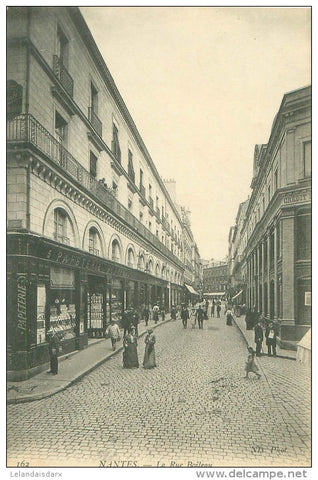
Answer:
(194, 409)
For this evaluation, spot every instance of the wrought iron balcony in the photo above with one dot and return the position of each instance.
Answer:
(25, 130)
(62, 239)
(62, 74)
(95, 121)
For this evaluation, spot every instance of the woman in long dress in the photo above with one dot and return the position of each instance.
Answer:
(150, 356)
(130, 354)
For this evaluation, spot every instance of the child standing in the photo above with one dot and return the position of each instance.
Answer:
(250, 364)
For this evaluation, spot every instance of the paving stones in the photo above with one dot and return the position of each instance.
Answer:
(195, 407)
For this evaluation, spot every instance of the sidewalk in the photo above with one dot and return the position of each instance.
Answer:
(249, 338)
(72, 367)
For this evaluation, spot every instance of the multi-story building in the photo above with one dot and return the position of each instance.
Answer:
(278, 221)
(92, 228)
(236, 263)
(215, 279)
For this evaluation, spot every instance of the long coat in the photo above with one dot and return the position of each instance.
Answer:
(150, 355)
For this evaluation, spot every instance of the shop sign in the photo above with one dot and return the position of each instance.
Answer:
(296, 197)
(308, 299)
(21, 304)
(72, 260)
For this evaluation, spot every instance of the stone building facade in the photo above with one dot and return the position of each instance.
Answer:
(277, 227)
(215, 279)
(91, 226)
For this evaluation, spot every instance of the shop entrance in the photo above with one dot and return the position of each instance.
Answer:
(96, 306)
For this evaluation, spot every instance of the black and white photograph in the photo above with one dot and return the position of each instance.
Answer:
(159, 239)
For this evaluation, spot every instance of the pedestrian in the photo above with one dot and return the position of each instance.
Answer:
(212, 309)
(173, 313)
(155, 313)
(130, 354)
(54, 348)
(248, 319)
(135, 319)
(126, 321)
(250, 364)
(163, 313)
(150, 355)
(114, 333)
(206, 313)
(229, 317)
(218, 309)
(199, 316)
(184, 316)
(270, 334)
(146, 314)
(259, 337)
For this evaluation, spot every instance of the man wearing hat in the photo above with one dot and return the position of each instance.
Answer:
(53, 351)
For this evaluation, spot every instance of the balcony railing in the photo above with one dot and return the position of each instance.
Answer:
(26, 129)
(62, 74)
(94, 251)
(95, 121)
(62, 239)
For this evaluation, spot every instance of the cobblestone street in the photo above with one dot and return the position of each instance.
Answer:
(195, 409)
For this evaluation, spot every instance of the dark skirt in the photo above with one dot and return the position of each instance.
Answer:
(130, 356)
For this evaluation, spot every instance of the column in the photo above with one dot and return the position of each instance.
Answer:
(275, 274)
(288, 280)
(267, 275)
(263, 276)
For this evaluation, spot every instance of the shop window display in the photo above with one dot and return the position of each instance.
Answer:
(63, 313)
(41, 301)
(117, 300)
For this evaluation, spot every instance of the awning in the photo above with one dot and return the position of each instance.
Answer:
(237, 295)
(191, 289)
(214, 294)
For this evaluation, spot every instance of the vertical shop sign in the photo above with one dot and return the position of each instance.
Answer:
(21, 303)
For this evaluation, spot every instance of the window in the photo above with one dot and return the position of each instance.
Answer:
(115, 144)
(62, 47)
(141, 216)
(269, 193)
(115, 251)
(131, 258)
(60, 128)
(131, 171)
(263, 202)
(93, 164)
(94, 99)
(278, 240)
(150, 225)
(271, 250)
(115, 189)
(129, 203)
(150, 191)
(60, 226)
(141, 177)
(307, 159)
(303, 235)
(93, 241)
(276, 179)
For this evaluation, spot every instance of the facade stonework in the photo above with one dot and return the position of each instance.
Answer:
(92, 228)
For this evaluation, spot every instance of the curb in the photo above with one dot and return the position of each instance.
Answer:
(264, 355)
(50, 393)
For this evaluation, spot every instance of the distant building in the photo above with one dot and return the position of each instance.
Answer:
(215, 278)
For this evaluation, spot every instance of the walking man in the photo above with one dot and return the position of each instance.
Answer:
(184, 316)
(199, 315)
(218, 309)
(114, 333)
(259, 337)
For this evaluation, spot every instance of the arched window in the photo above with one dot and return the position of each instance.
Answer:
(60, 226)
(130, 258)
(157, 270)
(150, 266)
(93, 241)
(141, 262)
(115, 251)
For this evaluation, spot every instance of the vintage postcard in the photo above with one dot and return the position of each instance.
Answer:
(158, 192)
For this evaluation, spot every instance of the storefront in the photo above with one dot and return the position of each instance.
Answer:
(52, 286)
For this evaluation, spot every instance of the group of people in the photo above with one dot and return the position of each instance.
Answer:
(130, 352)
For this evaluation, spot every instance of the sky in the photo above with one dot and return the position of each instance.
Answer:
(203, 85)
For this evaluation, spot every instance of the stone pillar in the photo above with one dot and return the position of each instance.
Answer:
(263, 276)
(268, 275)
(288, 279)
(275, 274)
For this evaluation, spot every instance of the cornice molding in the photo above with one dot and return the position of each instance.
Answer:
(47, 174)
